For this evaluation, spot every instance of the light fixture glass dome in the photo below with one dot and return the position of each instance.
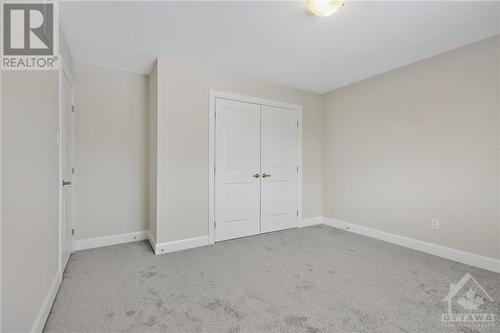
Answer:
(324, 8)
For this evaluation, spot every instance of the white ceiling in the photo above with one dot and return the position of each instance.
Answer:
(278, 42)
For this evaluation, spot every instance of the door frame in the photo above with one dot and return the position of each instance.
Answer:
(65, 75)
(213, 95)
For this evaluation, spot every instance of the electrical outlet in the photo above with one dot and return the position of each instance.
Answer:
(435, 224)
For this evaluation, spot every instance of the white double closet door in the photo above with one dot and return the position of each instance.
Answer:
(256, 177)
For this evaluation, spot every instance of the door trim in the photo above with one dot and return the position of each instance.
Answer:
(213, 95)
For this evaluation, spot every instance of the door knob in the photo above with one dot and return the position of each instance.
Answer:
(66, 183)
(265, 175)
(256, 175)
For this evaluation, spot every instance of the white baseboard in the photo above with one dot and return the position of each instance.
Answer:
(182, 244)
(310, 221)
(44, 312)
(91, 243)
(152, 241)
(463, 257)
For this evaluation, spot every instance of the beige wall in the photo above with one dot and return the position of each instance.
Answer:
(30, 194)
(153, 146)
(183, 144)
(111, 152)
(418, 143)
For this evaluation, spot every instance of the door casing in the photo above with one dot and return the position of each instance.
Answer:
(213, 95)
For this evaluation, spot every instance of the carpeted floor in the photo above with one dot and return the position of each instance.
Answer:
(314, 279)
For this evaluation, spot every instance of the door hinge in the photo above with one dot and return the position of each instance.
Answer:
(72, 232)
(73, 109)
(297, 124)
(73, 171)
(215, 114)
(297, 212)
(215, 224)
(215, 169)
(297, 168)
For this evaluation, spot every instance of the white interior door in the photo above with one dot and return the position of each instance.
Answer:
(279, 165)
(67, 172)
(237, 174)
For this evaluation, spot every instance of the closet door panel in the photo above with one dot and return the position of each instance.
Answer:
(279, 188)
(237, 176)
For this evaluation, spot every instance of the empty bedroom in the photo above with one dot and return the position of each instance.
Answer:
(308, 166)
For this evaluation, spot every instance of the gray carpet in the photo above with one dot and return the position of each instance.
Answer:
(314, 279)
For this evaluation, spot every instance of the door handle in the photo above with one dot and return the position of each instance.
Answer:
(256, 175)
(265, 175)
(66, 183)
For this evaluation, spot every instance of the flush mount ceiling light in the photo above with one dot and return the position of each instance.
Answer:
(324, 8)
